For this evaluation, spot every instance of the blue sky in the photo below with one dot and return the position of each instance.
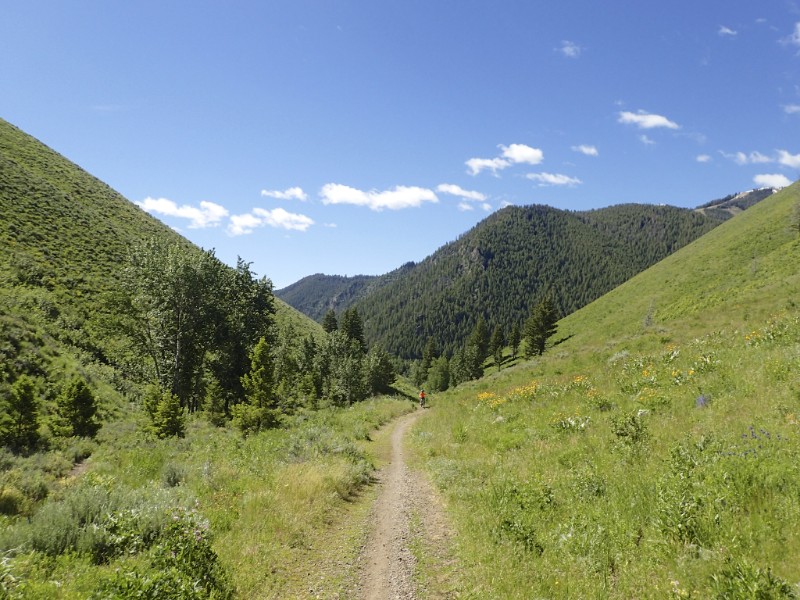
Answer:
(349, 137)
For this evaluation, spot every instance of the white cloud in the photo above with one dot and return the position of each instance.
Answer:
(396, 199)
(646, 140)
(726, 31)
(520, 153)
(243, 224)
(759, 159)
(293, 193)
(789, 160)
(773, 180)
(570, 49)
(511, 155)
(546, 179)
(259, 217)
(586, 149)
(703, 158)
(208, 214)
(465, 206)
(645, 120)
(791, 109)
(486, 206)
(754, 158)
(794, 38)
(476, 165)
(455, 190)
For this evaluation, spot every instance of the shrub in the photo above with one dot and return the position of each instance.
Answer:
(251, 419)
(12, 501)
(630, 429)
(184, 566)
(172, 475)
(740, 579)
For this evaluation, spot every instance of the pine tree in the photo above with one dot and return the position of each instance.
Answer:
(169, 419)
(329, 323)
(540, 327)
(259, 383)
(77, 407)
(496, 344)
(480, 340)
(19, 421)
(514, 339)
(353, 327)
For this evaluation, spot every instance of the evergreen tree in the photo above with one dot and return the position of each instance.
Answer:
(353, 327)
(480, 340)
(540, 327)
(496, 345)
(259, 383)
(19, 420)
(428, 356)
(169, 419)
(514, 339)
(214, 403)
(77, 407)
(329, 323)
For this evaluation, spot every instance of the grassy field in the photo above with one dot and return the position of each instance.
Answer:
(268, 516)
(655, 451)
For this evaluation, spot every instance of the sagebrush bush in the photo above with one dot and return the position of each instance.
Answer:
(12, 501)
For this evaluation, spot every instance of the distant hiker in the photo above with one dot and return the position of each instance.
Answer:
(422, 398)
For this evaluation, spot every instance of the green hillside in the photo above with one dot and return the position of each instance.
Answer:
(654, 452)
(66, 239)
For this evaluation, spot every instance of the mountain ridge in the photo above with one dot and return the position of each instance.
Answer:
(576, 255)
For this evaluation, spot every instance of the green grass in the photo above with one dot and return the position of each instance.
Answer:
(597, 471)
(278, 506)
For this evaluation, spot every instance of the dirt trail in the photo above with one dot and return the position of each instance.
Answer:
(388, 565)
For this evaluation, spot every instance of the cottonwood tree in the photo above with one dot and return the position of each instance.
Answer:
(439, 375)
(379, 371)
(191, 314)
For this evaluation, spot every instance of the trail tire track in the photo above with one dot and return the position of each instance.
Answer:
(387, 562)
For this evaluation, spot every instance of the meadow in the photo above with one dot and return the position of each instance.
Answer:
(655, 451)
(213, 514)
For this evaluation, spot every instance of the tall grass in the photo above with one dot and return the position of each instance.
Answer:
(656, 452)
(253, 513)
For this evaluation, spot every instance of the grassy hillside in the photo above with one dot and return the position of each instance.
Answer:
(128, 512)
(654, 452)
(65, 236)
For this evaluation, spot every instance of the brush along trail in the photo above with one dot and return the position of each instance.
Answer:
(407, 522)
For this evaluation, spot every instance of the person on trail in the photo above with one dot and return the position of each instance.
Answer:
(422, 398)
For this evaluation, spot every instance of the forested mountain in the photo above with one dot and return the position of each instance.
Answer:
(502, 267)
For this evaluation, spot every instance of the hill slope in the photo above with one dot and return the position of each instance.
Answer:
(65, 238)
(509, 261)
(654, 453)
